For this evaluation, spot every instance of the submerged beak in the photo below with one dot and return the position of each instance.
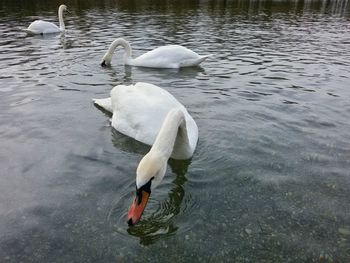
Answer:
(137, 207)
(103, 63)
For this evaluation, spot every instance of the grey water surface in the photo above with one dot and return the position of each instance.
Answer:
(270, 178)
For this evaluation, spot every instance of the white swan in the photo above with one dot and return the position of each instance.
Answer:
(43, 27)
(172, 56)
(153, 116)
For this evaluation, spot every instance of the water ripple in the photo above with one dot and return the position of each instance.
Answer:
(270, 171)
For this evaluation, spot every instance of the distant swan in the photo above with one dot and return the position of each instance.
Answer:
(171, 56)
(153, 116)
(42, 27)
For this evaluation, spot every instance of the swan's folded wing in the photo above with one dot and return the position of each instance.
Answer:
(171, 56)
(30, 32)
(139, 110)
(42, 27)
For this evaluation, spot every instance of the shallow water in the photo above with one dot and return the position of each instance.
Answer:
(270, 178)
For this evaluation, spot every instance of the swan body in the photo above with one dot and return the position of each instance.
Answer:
(44, 27)
(171, 56)
(153, 116)
(139, 111)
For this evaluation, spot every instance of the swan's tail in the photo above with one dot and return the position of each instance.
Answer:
(204, 57)
(29, 32)
(196, 62)
(106, 104)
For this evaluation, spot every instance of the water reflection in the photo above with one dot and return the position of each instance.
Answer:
(182, 73)
(125, 143)
(27, 7)
(45, 36)
(186, 72)
(66, 42)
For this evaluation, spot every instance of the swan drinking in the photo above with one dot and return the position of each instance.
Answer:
(153, 116)
(171, 56)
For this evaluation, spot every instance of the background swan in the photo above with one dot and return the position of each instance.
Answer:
(171, 56)
(43, 27)
(153, 116)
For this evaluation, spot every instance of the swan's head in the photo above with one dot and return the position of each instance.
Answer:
(63, 8)
(149, 174)
(106, 60)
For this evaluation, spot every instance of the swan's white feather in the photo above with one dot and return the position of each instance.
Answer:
(42, 27)
(171, 56)
(139, 111)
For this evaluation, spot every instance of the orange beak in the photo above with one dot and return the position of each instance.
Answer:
(137, 207)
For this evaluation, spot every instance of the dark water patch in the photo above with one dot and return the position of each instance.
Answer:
(289, 102)
(66, 89)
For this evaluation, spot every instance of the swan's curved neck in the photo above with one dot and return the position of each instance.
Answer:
(173, 124)
(60, 18)
(154, 163)
(120, 42)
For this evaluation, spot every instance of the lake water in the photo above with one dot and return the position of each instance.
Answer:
(270, 178)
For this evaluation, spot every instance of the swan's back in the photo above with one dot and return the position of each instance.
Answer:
(171, 56)
(139, 111)
(42, 27)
